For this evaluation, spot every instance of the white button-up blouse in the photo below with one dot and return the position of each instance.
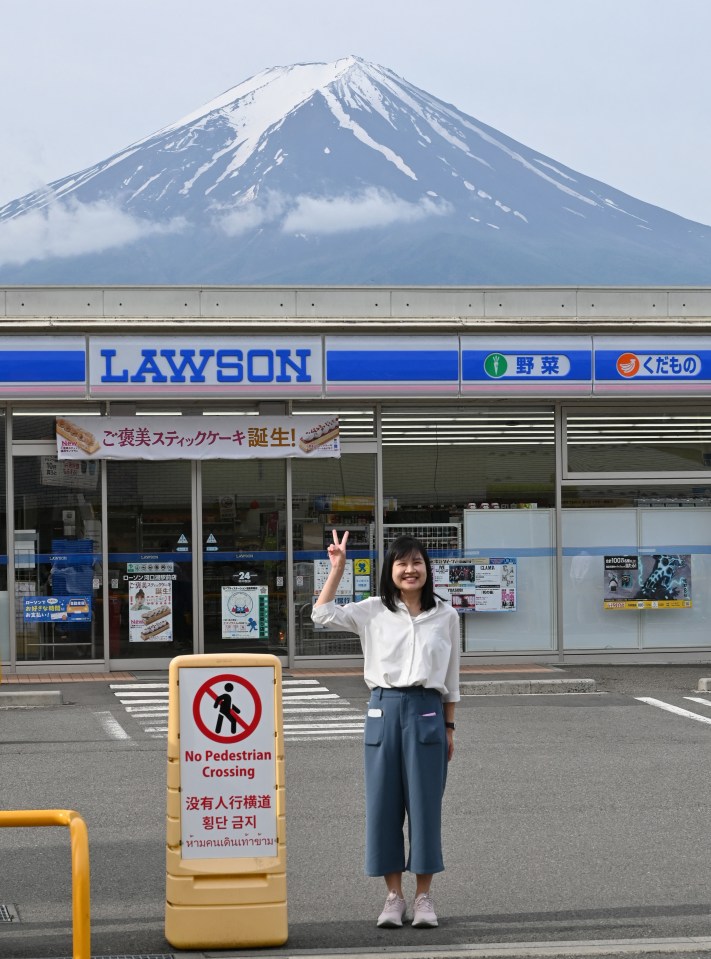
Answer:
(400, 650)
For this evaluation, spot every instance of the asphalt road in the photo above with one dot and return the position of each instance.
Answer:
(568, 817)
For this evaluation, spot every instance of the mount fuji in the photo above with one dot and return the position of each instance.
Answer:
(340, 173)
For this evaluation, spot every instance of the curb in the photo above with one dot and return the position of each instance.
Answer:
(44, 697)
(603, 948)
(506, 687)
(704, 686)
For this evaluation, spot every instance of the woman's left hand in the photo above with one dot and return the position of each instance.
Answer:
(450, 744)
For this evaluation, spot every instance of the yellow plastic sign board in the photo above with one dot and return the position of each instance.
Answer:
(226, 822)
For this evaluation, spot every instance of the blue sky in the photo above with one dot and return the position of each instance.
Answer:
(616, 89)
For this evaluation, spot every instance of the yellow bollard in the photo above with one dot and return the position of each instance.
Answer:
(79, 838)
(226, 815)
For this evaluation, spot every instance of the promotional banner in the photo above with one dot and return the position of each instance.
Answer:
(150, 602)
(481, 585)
(56, 609)
(245, 612)
(654, 581)
(196, 437)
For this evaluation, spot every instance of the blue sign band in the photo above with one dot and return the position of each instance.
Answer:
(42, 366)
(387, 366)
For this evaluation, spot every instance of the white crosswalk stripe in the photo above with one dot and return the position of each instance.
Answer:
(311, 711)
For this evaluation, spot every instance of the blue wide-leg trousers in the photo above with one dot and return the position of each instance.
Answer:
(405, 774)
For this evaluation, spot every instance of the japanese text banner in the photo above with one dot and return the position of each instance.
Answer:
(196, 437)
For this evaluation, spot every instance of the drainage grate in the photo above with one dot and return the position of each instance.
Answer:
(8, 913)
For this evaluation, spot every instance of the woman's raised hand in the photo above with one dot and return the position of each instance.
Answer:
(337, 551)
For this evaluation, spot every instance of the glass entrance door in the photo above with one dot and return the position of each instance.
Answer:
(57, 554)
(332, 494)
(244, 556)
(150, 546)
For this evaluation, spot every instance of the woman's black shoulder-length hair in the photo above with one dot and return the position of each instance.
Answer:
(399, 548)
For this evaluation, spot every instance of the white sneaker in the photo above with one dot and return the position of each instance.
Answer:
(425, 916)
(393, 912)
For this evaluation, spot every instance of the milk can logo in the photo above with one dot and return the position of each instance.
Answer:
(495, 365)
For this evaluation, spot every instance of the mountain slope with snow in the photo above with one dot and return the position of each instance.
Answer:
(340, 172)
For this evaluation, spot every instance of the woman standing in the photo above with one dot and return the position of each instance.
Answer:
(410, 641)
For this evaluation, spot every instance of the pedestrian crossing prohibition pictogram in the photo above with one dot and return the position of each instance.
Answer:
(227, 708)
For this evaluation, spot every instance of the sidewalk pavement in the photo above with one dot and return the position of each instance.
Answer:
(501, 680)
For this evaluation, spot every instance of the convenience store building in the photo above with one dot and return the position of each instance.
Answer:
(171, 471)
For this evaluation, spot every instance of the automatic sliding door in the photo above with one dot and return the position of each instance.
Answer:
(244, 556)
(57, 551)
(332, 494)
(150, 559)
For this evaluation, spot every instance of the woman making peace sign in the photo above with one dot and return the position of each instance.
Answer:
(410, 640)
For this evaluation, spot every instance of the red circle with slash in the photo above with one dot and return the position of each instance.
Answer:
(207, 690)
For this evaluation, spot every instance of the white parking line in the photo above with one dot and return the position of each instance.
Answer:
(674, 709)
(698, 699)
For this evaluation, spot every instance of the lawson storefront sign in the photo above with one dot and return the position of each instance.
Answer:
(115, 367)
(205, 366)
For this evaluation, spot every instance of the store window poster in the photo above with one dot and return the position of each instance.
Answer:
(647, 581)
(245, 612)
(150, 609)
(482, 585)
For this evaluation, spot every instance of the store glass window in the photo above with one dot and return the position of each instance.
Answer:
(4, 598)
(38, 424)
(655, 438)
(436, 461)
(636, 566)
(57, 552)
(332, 494)
(150, 563)
(477, 486)
(244, 556)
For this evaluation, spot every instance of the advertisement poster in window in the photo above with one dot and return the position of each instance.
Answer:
(481, 585)
(245, 612)
(150, 609)
(345, 593)
(647, 581)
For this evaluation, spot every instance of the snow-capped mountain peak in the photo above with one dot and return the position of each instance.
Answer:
(344, 172)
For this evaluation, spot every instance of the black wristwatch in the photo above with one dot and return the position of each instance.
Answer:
(450, 725)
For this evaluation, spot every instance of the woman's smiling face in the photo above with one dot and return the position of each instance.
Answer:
(409, 574)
